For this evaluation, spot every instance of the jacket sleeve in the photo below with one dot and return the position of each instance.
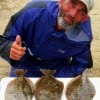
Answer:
(7, 38)
(12, 30)
(81, 61)
(14, 27)
(5, 46)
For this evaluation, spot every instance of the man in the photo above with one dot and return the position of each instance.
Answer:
(57, 36)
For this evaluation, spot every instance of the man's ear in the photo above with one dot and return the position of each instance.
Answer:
(85, 19)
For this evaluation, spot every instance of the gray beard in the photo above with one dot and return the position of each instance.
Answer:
(63, 24)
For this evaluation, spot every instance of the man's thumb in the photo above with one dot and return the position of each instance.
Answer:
(18, 39)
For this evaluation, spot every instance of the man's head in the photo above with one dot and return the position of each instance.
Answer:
(73, 11)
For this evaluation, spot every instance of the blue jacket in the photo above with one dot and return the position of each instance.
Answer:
(67, 52)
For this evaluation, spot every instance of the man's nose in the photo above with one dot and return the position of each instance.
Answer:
(73, 13)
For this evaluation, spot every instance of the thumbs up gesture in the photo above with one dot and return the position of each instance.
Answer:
(17, 51)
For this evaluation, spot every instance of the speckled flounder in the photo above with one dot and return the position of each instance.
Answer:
(80, 88)
(48, 87)
(20, 88)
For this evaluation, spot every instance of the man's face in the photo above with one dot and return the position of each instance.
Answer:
(72, 11)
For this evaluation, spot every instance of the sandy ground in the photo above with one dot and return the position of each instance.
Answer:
(11, 6)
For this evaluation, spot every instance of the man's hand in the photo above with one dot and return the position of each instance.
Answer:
(17, 51)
